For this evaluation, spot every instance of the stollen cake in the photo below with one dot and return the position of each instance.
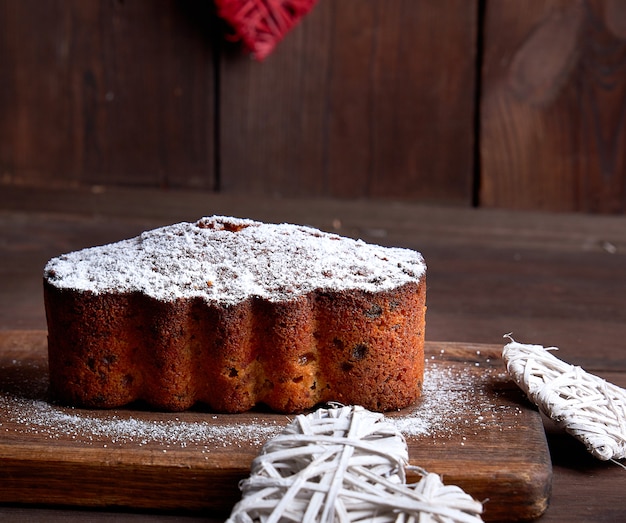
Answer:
(232, 313)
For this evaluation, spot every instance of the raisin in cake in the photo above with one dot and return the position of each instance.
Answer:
(233, 313)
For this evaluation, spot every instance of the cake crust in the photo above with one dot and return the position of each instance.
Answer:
(289, 350)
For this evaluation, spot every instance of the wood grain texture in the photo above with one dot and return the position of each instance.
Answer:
(364, 99)
(354, 102)
(503, 457)
(106, 92)
(553, 106)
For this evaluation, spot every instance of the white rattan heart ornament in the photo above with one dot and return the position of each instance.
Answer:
(585, 405)
(345, 464)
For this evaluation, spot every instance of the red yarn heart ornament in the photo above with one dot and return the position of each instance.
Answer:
(262, 24)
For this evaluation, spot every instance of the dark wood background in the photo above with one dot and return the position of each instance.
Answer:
(493, 103)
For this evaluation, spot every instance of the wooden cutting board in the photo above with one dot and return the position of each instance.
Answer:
(473, 427)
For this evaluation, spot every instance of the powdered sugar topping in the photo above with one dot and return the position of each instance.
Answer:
(227, 260)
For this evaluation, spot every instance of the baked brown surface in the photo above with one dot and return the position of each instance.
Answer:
(354, 346)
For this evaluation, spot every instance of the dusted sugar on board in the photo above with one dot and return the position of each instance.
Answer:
(232, 313)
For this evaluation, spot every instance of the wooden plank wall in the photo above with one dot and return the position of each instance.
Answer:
(106, 92)
(553, 105)
(496, 103)
(363, 101)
